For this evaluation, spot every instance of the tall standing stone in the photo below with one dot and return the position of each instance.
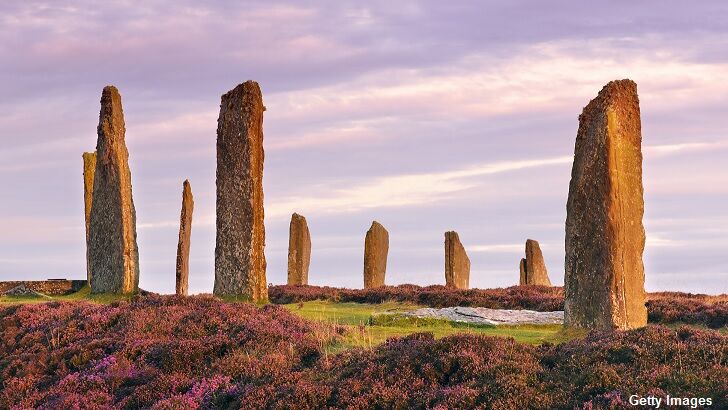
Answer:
(299, 251)
(89, 168)
(112, 250)
(533, 267)
(604, 284)
(183, 245)
(376, 247)
(240, 239)
(457, 263)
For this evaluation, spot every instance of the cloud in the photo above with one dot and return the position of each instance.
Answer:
(397, 191)
(376, 107)
(400, 190)
(671, 149)
(543, 77)
(497, 248)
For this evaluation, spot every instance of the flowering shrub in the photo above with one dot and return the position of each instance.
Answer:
(605, 368)
(688, 310)
(198, 352)
(474, 371)
(167, 352)
(663, 307)
(541, 298)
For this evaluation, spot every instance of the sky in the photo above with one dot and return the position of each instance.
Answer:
(426, 116)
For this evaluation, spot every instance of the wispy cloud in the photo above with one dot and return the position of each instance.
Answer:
(671, 149)
(497, 248)
(401, 190)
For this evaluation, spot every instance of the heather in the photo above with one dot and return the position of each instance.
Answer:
(199, 352)
(164, 351)
(541, 298)
(687, 310)
(663, 307)
(473, 371)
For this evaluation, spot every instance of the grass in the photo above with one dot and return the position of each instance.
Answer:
(372, 324)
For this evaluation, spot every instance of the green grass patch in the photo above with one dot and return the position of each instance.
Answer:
(371, 324)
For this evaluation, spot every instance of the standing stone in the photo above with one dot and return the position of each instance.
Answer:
(604, 284)
(376, 247)
(183, 245)
(533, 267)
(239, 258)
(89, 167)
(112, 249)
(457, 263)
(522, 269)
(299, 251)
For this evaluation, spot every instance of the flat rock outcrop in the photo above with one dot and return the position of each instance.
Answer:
(533, 268)
(299, 250)
(457, 263)
(240, 238)
(112, 247)
(376, 247)
(22, 290)
(605, 238)
(183, 245)
(485, 316)
(89, 168)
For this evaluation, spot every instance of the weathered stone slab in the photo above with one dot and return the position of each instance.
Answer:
(522, 269)
(485, 316)
(533, 267)
(605, 238)
(240, 240)
(46, 287)
(183, 245)
(299, 251)
(112, 249)
(457, 263)
(89, 167)
(376, 247)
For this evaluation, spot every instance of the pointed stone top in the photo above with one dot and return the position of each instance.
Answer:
(246, 95)
(377, 225)
(88, 154)
(614, 91)
(186, 184)
(248, 87)
(531, 242)
(110, 100)
(616, 85)
(298, 216)
(452, 233)
(110, 90)
(111, 117)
